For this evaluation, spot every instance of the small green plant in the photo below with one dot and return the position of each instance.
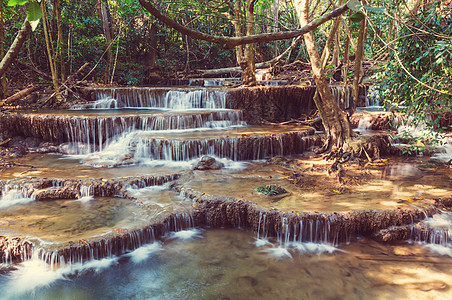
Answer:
(271, 190)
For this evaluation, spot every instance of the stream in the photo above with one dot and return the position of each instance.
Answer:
(101, 216)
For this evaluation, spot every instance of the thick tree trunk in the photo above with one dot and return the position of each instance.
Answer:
(359, 56)
(15, 47)
(335, 121)
(235, 41)
(248, 66)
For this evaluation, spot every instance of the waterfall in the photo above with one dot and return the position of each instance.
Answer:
(303, 235)
(86, 193)
(175, 99)
(13, 194)
(435, 233)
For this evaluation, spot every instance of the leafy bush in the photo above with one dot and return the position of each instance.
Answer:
(424, 50)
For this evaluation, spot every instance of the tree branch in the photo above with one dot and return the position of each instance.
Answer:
(230, 42)
(15, 47)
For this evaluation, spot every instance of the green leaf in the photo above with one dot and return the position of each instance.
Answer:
(223, 9)
(357, 17)
(34, 13)
(375, 10)
(354, 5)
(16, 2)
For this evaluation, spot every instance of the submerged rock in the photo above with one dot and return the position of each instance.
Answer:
(272, 190)
(403, 171)
(208, 163)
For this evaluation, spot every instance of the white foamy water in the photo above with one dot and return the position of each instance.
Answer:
(364, 123)
(144, 252)
(103, 103)
(261, 242)
(278, 252)
(439, 238)
(281, 252)
(34, 274)
(135, 148)
(188, 234)
(14, 196)
(141, 192)
(442, 220)
(446, 150)
(317, 248)
(440, 249)
(86, 193)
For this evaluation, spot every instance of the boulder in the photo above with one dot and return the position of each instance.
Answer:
(208, 163)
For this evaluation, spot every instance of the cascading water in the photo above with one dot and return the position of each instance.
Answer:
(175, 99)
(435, 233)
(316, 236)
(86, 193)
(184, 125)
(15, 194)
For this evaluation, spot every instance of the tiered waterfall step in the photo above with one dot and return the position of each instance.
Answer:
(249, 143)
(173, 98)
(95, 127)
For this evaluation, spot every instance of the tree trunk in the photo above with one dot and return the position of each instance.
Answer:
(59, 48)
(345, 66)
(15, 47)
(52, 63)
(4, 85)
(153, 71)
(335, 121)
(248, 66)
(188, 44)
(236, 21)
(104, 12)
(327, 50)
(359, 56)
(336, 50)
(20, 94)
(275, 11)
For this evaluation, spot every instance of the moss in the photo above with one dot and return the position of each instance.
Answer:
(271, 190)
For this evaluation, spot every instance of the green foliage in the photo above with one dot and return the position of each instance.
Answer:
(34, 14)
(16, 2)
(357, 17)
(271, 190)
(424, 48)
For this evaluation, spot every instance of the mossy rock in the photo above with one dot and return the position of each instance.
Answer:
(272, 190)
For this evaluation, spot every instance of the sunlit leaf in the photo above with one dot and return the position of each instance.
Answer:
(375, 10)
(34, 14)
(16, 2)
(354, 5)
